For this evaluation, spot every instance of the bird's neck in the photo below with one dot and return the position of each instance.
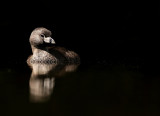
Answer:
(36, 50)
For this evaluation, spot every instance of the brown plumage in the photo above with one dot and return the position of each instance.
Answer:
(45, 51)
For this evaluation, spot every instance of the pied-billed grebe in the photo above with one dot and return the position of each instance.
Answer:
(45, 51)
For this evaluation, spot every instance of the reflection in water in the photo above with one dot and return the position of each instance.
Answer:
(42, 79)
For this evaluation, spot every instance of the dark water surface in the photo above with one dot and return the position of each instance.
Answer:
(87, 89)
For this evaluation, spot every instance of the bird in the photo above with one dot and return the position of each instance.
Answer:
(45, 49)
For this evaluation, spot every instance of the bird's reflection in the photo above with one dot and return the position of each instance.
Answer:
(42, 79)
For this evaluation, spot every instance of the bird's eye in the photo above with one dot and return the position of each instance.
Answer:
(42, 35)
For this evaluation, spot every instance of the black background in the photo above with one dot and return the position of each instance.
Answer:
(100, 32)
(118, 43)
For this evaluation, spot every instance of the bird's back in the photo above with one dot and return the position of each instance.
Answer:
(64, 55)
